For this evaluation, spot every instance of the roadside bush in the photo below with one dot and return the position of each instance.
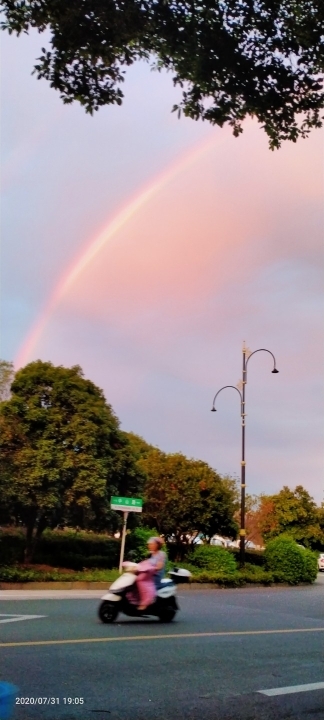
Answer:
(254, 574)
(222, 579)
(310, 566)
(12, 545)
(136, 543)
(289, 562)
(253, 557)
(73, 561)
(214, 559)
(77, 550)
(24, 575)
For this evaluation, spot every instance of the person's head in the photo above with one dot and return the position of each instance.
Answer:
(154, 544)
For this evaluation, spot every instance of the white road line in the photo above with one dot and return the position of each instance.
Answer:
(292, 689)
(16, 618)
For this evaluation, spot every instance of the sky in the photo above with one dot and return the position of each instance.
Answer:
(146, 249)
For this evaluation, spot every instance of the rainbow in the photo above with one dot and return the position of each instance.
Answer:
(93, 248)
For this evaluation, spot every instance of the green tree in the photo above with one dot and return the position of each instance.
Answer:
(6, 377)
(232, 58)
(186, 496)
(293, 512)
(62, 454)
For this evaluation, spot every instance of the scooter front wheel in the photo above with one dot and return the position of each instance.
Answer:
(108, 611)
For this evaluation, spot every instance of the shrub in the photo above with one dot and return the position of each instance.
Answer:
(310, 566)
(12, 545)
(77, 550)
(21, 575)
(253, 557)
(214, 559)
(289, 562)
(136, 543)
(254, 574)
(223, 579)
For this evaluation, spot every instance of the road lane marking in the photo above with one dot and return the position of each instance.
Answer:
(10, 617)
(173, 636)
(292, 689)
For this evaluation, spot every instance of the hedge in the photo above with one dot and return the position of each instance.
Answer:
(213, 559)
(12, 546)
(253, 557)
(289, 562)
(26, 574)
(68, 549)
(74, 550)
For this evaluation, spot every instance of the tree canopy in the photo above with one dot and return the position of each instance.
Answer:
(62, 454)
(291, 512)
(231, 58)
(182, 495)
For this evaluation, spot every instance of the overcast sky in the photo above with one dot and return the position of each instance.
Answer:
(146, 249)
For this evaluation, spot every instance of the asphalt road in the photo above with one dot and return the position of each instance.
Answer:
(224, 647)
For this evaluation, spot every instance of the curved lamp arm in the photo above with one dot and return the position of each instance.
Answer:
(224, 388)
(264, 350)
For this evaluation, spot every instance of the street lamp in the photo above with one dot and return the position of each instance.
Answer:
(247, 354)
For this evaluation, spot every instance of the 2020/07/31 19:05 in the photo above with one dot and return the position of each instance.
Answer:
(49, 700)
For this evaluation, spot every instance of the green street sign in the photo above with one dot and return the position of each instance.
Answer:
(126, 504)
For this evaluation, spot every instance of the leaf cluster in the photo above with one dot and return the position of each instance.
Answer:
(185, 496)
(294, 512)
(231, 58)
(213, 559)
(290, 562)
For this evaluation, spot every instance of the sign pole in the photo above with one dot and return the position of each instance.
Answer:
(126, 505)
(122, 548)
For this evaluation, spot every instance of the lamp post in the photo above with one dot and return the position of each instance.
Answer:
(247, 354)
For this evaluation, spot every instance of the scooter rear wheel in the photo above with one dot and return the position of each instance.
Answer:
(167, 614)
(108, 611)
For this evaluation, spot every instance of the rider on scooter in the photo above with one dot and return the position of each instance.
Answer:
(157, 558)
(150, 573)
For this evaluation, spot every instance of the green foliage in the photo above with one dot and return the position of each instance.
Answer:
(310, 566)
(182, 495)
(294, 512)
(62, 454)
(12, 547)
(290, 563)
(253, 557)
(136, 543)
(77, 550)
(213, 559)
(25, 574)
(254, 574)
(221, 579)
(63, 549)
(231, 59)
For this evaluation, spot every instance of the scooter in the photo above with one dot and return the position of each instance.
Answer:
(119, 598)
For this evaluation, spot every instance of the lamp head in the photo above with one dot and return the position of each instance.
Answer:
(274, 370)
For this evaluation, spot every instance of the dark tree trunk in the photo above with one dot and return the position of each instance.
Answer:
(32, 537)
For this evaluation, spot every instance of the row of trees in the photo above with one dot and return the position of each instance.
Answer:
(63, 455)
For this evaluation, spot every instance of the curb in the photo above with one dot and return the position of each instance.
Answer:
(76, 585)
(83, 585)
